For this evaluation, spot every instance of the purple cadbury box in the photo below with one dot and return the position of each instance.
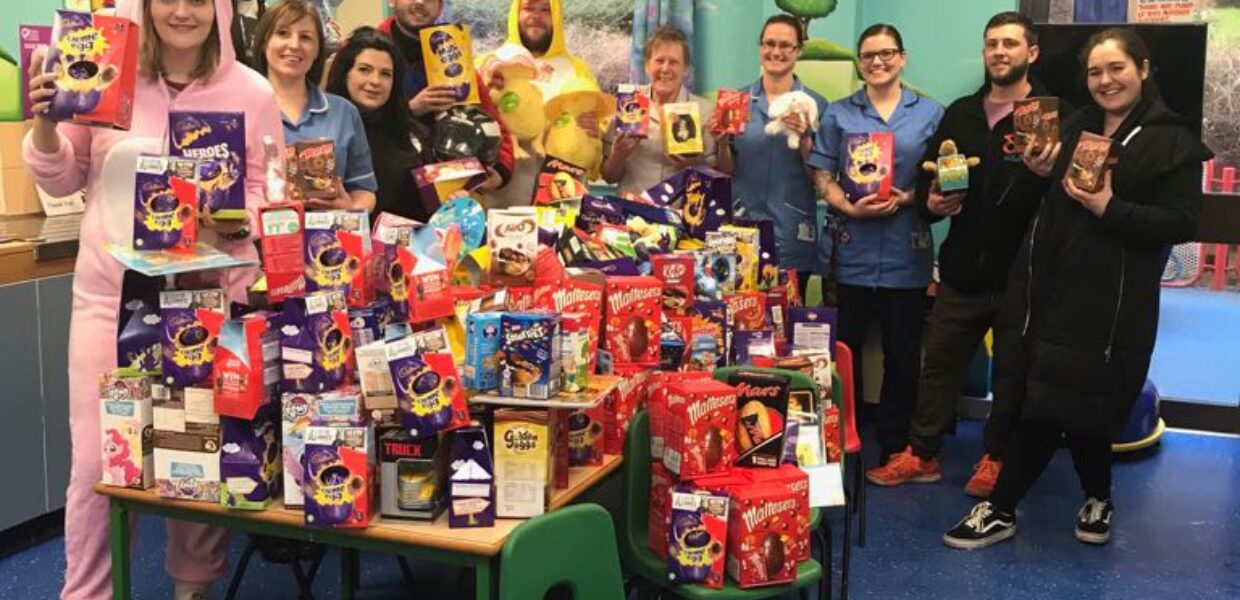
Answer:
(217, 140)
(138, 343)
(188, 348)
(250, 459)
(697, 537)
(315, 343)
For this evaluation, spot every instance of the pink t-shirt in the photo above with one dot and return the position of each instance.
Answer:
(995, 111)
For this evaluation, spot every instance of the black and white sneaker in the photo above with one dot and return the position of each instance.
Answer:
(985, 526)
(1093, 522)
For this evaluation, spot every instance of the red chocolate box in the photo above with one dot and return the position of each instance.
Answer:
(762, 535)
(634, 319)
(796, 481)
(677, 274)
(657, 405)
(746, 310)
(700, 436)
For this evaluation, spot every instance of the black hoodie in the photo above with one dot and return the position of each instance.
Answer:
(984, 237)
(1082, 302)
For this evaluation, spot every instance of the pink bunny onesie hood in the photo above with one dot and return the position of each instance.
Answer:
(195, 553)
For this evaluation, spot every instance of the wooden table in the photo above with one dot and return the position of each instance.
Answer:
(477, 548)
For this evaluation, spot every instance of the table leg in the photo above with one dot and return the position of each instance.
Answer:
(118, 534)
(349, 567)
(482, 578)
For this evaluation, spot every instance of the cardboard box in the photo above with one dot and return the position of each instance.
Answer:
(165, 204)
(188, 345)
(298, 412)
(127, 425)
(868, 165)
(700, 437)
(187, 444)
(283, 229)
(522, 463)
(682, 129)
(659, 517)
(11, 135)
(449, 60)
(337, 248)
(632, 112)
(1091, 159)
(429, 395)
(762, 414)
(698, 537)
(1036, 121)
(732, 111)
(316, 343)
(796, 482)
(761, 530)
(471, 491)
(412, 474)
(512, 235)
(634, 319)
(530, 361)
(250, 459)
(95, 58)
(482, 346)
(339, 468)
(217, 141)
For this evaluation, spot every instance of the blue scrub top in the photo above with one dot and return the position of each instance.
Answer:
(884, 252)
(332, 117)
(770, 182)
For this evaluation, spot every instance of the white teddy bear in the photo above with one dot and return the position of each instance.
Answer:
(792, 103)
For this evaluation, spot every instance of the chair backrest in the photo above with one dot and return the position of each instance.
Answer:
(573, 546)
(848, 413)
(634, 520)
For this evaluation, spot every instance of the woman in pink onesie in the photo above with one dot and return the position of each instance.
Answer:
(186, 63)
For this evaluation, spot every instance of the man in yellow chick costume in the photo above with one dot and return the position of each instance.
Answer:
(538, 27)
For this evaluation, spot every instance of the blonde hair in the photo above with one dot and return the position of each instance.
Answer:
(150, 55)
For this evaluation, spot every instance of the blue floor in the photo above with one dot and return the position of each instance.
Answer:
(1176, 529)
(1197, 356)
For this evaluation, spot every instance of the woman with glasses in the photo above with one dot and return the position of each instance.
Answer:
(881, 246)
(770, 181)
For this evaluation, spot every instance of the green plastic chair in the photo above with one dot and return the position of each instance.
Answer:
(573, 546)
(649, 569)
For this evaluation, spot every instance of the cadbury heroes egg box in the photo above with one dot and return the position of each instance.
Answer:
(217, 141)
(95, 59)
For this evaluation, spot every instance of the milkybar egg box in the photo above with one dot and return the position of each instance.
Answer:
(165, 215)
(449, 60)
(762, 533)
(634, 319)
(188, 346)
(700, 436)
(95, 60)
(217, 141)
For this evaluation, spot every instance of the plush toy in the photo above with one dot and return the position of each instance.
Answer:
(564, 138)
(951, 170)
(520, 102)
(789, 104)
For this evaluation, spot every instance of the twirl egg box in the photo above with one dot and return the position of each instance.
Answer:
(316, 343)
(298, 412)
(700, 437)
(429, 396)
(188, 346)
(128, 428)
(337, 246)
(250, 459)
(165, 215)
(217, 141)
(697, 538)
(634, 319)
(95, 60)
(530, 357)
(449, 55)
(339, 468)
(762, 535)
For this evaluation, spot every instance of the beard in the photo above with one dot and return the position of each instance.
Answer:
(1016, 73)
(537, 45)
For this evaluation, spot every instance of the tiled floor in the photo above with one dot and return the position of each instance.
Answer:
(1177, 535)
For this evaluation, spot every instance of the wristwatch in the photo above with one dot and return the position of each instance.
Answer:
(237, 235)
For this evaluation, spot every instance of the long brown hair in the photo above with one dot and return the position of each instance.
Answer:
(284, 14)
(150, 54)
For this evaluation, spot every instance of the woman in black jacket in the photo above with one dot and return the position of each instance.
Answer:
(1082, 300)
(366, 71)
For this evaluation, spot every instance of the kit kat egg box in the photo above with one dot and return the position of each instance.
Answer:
(338, 467)
(700, 437)
(337, 246)
(138, 343)
(316, 343)
(634, 319)
(868, 165)
(512, 235)
(187, 344)
(217, 141)
(250, 459)
(761, 416)
(697, 537)
(746, 310)
(127, 424)
(677, 272)
(95, 60)
(429, 396)
(165, 215)
(482, 346)
(530, 359)
(246, 369)
(763, 535)
(412, 476)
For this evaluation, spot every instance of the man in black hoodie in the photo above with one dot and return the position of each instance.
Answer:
(986, 230)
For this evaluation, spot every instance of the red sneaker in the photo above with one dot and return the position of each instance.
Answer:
(985, 474)
(905, 467)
